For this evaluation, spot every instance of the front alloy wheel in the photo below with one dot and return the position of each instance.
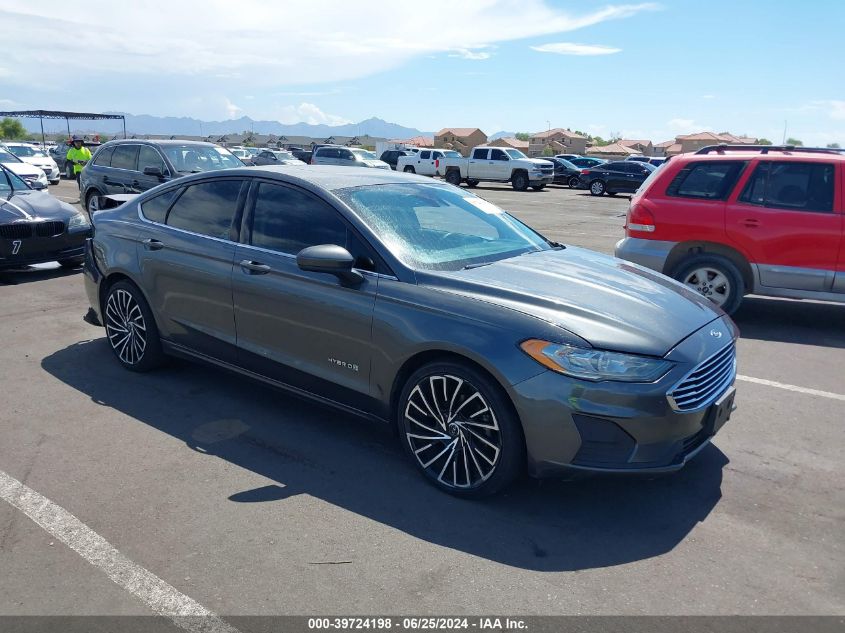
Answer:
(459, 432)
(597, 188)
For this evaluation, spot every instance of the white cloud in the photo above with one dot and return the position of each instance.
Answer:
(232, 111)
(466, 53)
(684, 126)
(834, 109)
(568, 48)
(708, 96)
(309, 113)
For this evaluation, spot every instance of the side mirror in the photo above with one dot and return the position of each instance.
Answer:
(153, 170)
(331, 259)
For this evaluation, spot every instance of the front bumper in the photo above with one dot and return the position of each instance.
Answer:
(540, 179)
(611, 427)
(649, 253)
(37, 250)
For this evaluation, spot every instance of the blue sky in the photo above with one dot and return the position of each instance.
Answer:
(642, 69)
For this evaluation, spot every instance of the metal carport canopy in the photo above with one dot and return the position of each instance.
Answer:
(61, 114)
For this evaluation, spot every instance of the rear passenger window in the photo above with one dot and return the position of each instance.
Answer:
(103, 158)
(125, 157)
(206, 208)
(426, 154)
(155, 209)
(706, 180)
(791, 185)
(497, 154)
(479, 154)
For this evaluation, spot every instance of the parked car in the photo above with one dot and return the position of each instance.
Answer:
(390, 156)
(243, 154)
(132, 166)
(565, 172)
(34, 176)
(427, 162)
(638, 158)
(59, 154)
(302, 154)
(621, 176)
(276, 157)
(346, 157)
(657, 161)
(36, 227)
(496, 164)
(586, 162)
(34, 156)
(413, 302)
(568, 156)
(734, 220)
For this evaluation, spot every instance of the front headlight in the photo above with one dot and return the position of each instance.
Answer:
(42, 178)
(78, 221)
(595, 364)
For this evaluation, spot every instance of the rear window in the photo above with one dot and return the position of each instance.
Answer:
(103, 158)
(155, 209)
(206, 208)
(706, 180)
(125, 157)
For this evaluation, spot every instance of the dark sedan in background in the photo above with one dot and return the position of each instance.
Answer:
(565, 172)
(417, 303)
(133, 166)
(35, 227)
(585, 162)
(621, 176)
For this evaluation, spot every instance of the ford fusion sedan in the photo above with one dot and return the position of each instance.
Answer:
(391, 296)
(35, 227)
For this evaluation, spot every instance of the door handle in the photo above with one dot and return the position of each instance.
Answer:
(751, 223)
(254, 268)
(153, 245)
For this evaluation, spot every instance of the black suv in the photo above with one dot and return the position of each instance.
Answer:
(133, 166)
(390, 156)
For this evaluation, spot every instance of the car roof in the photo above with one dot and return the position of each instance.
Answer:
(721, 153)
(121, 141)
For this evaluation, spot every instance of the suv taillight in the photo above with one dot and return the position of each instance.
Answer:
(639, 219)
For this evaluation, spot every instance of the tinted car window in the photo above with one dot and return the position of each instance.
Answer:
(206, 208)
(618, 166)
(479, 154)
(791, 185)
(497, 154)
(155, 209)
(103, 158)
(425, 154)
(149, 157)
(287, 220)
(708, 180)
(345, 154)
(125, 157)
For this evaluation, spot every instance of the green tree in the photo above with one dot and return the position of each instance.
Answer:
(763, 141)
(794, 141)
(12, 129)
(834, 145)
(548, 152)
(522, 136)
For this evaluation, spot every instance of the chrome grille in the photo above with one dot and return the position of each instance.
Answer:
(17, 231)
(49, 229)
(706, 382)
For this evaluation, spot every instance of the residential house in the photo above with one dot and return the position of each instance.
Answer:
(661, 149)
(416, 141)
(642, 146)
(558, 140)
(511, 142)
(613, 151)
(462, 139)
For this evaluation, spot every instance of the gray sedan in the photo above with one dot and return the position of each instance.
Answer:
(492, 350)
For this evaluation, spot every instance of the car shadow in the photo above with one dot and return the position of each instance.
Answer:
(304, 448)
(791, 321)
(31, 274)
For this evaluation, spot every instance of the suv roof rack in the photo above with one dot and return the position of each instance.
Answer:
(765, 149)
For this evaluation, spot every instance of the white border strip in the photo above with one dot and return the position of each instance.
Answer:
(781, 385)
(144, 585)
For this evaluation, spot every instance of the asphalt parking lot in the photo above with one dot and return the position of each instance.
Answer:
(249, 501)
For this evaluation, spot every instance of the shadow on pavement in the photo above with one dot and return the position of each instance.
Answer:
(790, 321)
(357, 465)
(31, 274)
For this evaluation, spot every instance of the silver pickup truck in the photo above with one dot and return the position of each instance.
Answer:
(498, 164)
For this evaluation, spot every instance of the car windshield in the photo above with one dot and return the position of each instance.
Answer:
(196, 158)
(364, 154)
(6, 157)
(24, 150)
(566, 163)
(440, 227)
(515, 153)
(285, 156)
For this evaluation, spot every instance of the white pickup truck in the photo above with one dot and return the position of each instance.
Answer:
(426, 162)
(497, 164)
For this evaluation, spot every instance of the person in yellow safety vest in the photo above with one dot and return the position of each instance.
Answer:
(78, 156)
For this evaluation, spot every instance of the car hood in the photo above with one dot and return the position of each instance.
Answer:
(29, 206)
(39, 161)
(24, 169)
(375, 163)
(610, 303)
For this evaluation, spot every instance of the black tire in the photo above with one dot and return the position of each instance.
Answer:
(597, 188)
(519, 181)
(573, 182)
(538, 187)
(728, 297)
(92, 203)
(409, 170)
(453, 177)
(139, 324)
(493, 419)
(472, 183)
(73, 262)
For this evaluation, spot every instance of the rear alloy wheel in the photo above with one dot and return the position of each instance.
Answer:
(131, 329)
(573, 182)
(409, 170)
(92, 202)
(519, 181)
(597, 188)
(714, 277)
(458, 427)
(453, 177)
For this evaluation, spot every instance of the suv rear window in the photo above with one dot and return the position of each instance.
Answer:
(791, 185)
(706, 180)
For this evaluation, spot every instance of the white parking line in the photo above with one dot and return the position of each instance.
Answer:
(781, 385)
(144, 585)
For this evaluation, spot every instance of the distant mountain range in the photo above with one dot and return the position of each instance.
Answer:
(147, 124)
(493, 137)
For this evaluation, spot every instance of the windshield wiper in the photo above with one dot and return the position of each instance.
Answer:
(476, 265)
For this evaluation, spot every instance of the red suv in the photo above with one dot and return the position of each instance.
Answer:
(731, 220)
